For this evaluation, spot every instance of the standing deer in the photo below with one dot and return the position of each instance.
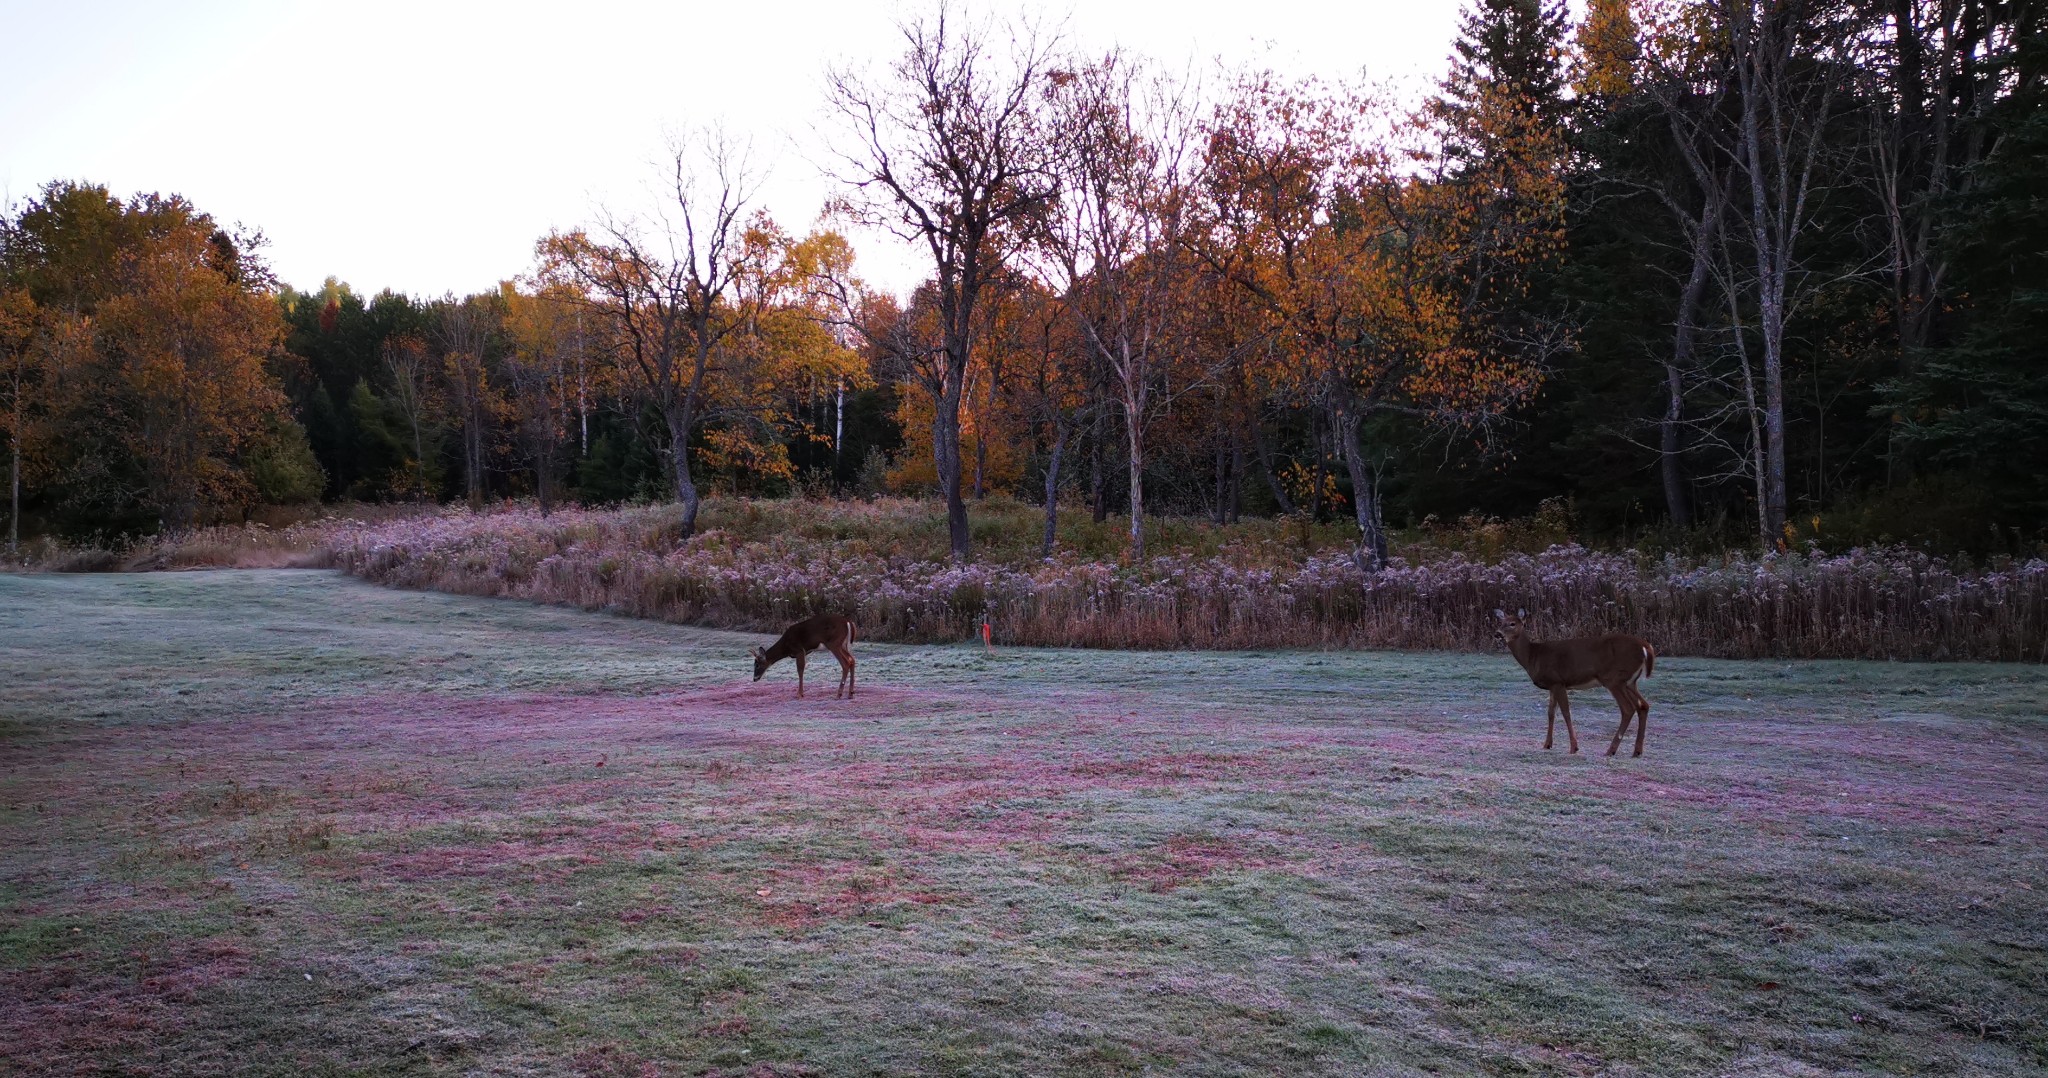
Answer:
(1558, 666)
(829, 631)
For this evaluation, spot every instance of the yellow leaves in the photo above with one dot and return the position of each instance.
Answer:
(790, 345)
(179, 356)
(1362, 263)
(1300, 482)
(1608, 50)
(734, 457)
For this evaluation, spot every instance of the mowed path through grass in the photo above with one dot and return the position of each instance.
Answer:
(278, 822)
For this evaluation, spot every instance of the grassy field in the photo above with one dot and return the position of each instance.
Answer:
(289, 822)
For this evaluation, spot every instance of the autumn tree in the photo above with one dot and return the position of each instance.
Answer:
(1113, 239)
(945, 151)
(667, 287)
(1050, 384)
(1316, 211)
(468, 331)
(416, 398)
(152, 354)
(789, 358)
(20, 374)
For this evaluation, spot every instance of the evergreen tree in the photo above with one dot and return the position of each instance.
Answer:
(1977, 411)
(1507, 51)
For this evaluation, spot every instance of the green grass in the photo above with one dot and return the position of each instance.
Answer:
(287, 822)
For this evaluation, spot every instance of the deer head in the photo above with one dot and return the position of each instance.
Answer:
(760, 662)
(1509, 629)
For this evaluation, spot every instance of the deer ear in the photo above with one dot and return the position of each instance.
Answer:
(1521, 614)
(757, 653)
(1499, 614)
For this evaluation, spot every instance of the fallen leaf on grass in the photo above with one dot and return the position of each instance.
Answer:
(1768, 986)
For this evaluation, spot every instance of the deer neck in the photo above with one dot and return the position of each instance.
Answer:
(1520, 647)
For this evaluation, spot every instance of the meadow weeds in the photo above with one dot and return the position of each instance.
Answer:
(290, 538)
(1258, 584)
(1277, 584)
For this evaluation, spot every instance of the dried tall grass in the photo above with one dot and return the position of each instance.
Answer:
(752, 569)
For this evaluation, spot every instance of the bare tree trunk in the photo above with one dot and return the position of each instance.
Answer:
(946, 452)
(419, 456)
(14, 492)
(540, 478)
(1052, 489)
(980, 466)
(1236, 480)
(1774, 434)
(1365, 502)
(14, 476)
(1099, 481)
(1134, 432)
(686, 487)
(473, 452)
(1222, 481)
(981, 438)
(1756, 434)
(1265, 455)
(1780, 173)
(1677, 501)
(1315, 494)
(582, 393)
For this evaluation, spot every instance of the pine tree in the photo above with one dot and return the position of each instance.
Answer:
(1508, 52)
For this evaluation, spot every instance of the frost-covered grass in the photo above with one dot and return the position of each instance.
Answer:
(274, 822)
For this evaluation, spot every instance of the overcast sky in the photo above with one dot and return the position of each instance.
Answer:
(425, 146)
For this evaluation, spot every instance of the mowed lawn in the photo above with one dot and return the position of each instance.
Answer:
(290, 823)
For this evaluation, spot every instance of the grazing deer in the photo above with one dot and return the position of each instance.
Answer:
(1558, 666)
(829, 631)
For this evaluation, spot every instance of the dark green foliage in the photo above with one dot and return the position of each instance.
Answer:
(282, 466)
(1506, 46)
(1976, 411)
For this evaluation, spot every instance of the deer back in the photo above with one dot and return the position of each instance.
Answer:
(1584, 660)
(809, 635)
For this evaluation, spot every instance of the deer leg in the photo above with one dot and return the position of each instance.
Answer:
(1550, 720)
(1624, 696)
(845, 657)
(1564, 703)
(1642, 717)
(799, 675)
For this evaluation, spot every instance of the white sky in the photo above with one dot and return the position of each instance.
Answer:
(424, 146)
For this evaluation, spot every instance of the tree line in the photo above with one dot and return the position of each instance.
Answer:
(1745, 270)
